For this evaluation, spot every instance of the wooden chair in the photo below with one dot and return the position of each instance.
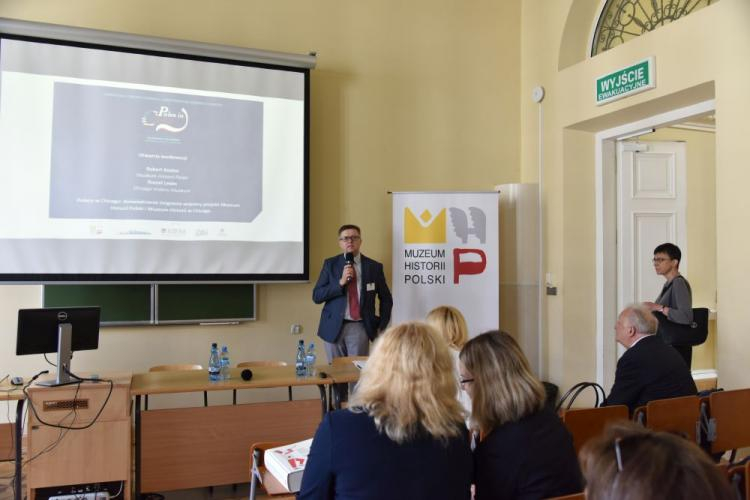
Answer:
(680, 415)
(260, 476)
(739, 476)
(177, 368)
(253, 364)
(574, 496)
(586, 423)
(728, 423)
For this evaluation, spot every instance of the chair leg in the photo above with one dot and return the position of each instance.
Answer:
(205, 398)
(290, 394)
(234, 396)
(146, 401)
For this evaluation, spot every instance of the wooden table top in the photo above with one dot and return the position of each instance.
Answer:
(170, 382)
(9, 392)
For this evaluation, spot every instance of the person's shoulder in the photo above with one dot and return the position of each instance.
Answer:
(369, 261)
(332, 260)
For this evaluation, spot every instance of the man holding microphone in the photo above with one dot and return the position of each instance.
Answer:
(348, 285)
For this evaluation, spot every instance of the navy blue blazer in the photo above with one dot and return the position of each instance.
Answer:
(349, 459)
(372, 284)
(650, 370)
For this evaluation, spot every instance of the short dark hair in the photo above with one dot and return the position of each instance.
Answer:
(670, 249)
(349, 226)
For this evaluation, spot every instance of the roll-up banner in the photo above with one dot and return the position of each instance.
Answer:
(446, 252)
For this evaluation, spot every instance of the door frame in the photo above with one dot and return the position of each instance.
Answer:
(606, 226)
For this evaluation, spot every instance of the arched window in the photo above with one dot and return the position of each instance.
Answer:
(623, 20)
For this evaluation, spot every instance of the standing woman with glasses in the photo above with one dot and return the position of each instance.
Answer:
(525, 451)
(675, 301)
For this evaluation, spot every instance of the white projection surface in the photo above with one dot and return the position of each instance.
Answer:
(144, 166)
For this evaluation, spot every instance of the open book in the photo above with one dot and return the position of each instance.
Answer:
(287, 463)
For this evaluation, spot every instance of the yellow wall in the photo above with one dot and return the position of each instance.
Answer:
(702, 56)
(417, 95)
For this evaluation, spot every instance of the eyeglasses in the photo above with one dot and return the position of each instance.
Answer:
(618, 454)
(659, 260)
(349, 238)
(465, 381)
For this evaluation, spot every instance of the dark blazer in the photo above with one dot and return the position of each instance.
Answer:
(350, 459)
(533, 458)
(650, 370)
(328, 290)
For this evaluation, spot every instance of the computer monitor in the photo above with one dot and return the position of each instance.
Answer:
(58, 329)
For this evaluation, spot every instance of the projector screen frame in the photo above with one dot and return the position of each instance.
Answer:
(175, 49)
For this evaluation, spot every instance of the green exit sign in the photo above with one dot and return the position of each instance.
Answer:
(625, 82)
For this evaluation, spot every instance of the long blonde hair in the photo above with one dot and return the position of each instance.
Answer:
(503, 387)
(451, 324)
(409, 385)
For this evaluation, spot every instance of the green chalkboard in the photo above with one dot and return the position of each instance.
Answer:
(158, 304)
(205, 303)
(121, 304)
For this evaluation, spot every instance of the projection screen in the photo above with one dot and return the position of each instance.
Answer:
(124, 161)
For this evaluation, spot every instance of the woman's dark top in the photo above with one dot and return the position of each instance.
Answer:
(350, 459)
(530, 459)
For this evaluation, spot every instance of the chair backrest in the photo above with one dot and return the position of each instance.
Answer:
(574, 496)
(730, 414)
(739, 476)
(347, 359)
(253, 364)
(175, 368)
(680, 415)
(586, 423)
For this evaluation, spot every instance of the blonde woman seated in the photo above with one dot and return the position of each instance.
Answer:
(451, 324)
(525, 451)
(403, 435)
(629, 461)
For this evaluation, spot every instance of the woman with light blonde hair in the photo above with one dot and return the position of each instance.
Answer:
(525, 451)
(449, 322)
(403, 435)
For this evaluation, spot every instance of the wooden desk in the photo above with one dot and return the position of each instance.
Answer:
(10, 392)
(204, 446)
(96, 448)
(340, 374)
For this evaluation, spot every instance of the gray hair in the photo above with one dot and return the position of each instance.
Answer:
(640, 317)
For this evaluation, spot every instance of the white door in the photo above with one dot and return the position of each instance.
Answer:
(651, 209)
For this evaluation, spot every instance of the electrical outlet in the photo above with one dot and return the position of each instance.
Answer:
(296, 329)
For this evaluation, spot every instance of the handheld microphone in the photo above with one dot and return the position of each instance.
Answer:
(246, 374)
(349, 260)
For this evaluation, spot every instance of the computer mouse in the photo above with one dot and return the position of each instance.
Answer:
(16, 381)
(323, 375)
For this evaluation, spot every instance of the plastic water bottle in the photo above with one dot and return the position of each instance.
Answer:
(225, 373)
(299, 364)
(214, 364)
(310, 360)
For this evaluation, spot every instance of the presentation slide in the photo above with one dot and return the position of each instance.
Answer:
(135, 166)
(161, 151)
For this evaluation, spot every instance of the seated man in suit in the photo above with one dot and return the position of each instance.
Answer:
(649, 369)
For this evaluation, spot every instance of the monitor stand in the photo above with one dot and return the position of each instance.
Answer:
(64, 355)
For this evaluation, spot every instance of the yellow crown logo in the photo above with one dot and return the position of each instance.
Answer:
(425, 229)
